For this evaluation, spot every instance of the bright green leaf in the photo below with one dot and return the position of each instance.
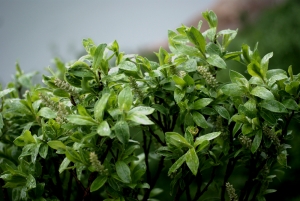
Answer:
(192, 161)
(262, 93)
(103, 129)
(128, 66)
(56, 144)
(81, 120)
(199, 119)
(125, 99)
(201, 103)
(47, 113)
(139, 118)
(196, 38)
(64, 164)
(6, 91)
(177, 140)
(177, 164)
(122, 131)
(209, 136)
(216, 60)
(273, 106)
(100, 106)
(222, 111)
(233, 90)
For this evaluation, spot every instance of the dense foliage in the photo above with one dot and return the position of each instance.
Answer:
(110, 125)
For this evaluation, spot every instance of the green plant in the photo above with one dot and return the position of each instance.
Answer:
(110, 125)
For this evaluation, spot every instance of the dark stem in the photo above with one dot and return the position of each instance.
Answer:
(4, 190)
(72, 100)
(156, 137)
(69, 188)
(229, 169)
(186, 189)
(92, 177)
(159, 123)
(155, 178)
(146, 151)
(199, 193)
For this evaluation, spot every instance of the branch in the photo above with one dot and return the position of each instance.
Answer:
(159, 123)
(199, 193)
(156, 137)
(146, 151)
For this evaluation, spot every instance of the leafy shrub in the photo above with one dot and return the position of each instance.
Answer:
(110, 125)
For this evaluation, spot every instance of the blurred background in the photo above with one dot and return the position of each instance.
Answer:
(34, 32)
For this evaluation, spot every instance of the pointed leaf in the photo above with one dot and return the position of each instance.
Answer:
(139, 118)
(177, 140)
(100, 106)
(81, 120)
(199, 119)
(123, 171)
(47, 113)
(209, 136)
(273, 106)
(103, 129)
(98, 182)
(233, 90)
(222, 111)
(125, 99)
(256, 141)
(176, 165)
(196, 38)
(122, 131)
(201, 103)
(262, 93)
(56, 144)
(192, 160)
(216, 60)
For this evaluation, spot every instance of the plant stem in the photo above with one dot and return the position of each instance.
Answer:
(69, 191)
(156, 137)
(146, 151)
(199, 193)
(155, 178)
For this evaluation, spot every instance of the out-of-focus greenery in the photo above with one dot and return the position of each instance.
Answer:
(277, 30)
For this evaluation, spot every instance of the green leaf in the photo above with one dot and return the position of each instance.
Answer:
(282, 158)
(6, 91)
(201, 103)
(98, 182)
(31, 183)
(24, 138)
(1, 122)
(187, 50)
(290, 71)
(177, 140)
(81, 120)
(43, 151)
(125, 99)
(56, 144)
(292, 87)
(206, 137)
(196, 38)
(47, 113)
(216, 60)
(178, 95)
(262, 93)
(256, 141)
(199, 119)
(288, 103)
(190, 65)
(269, 191)
(236, 128)
(273, 106)
(81, 69)
(265, 63)
(100, 106)
(176, 165)
(143, 110)
(72, 155)
(255, 70)
(139, 118)
(211, 18)
(64, 164)
(234, 76)
(123, 171)
(222, 111)
(122, 131)
(103, 129)
(128, 66)
(179, 81)
(98, 56)
(233, 90)
(192, 160)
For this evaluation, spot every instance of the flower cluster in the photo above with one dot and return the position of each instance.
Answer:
(231, 192)
(97, 164)
(245, 141)
(136, 89)
(58, 107)
(272, 136)
(209, 78)
(66, 86)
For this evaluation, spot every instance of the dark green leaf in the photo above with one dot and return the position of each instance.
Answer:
(196, 38)
(98, 182)
(72, 155)
(178, 95)
(177, 164)
(256, 141)
(222, 111)
(201, 103)
(289, 104)
(273, 106)
(122, 131)
(255, 70)
(199, 119)
(123, 171)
